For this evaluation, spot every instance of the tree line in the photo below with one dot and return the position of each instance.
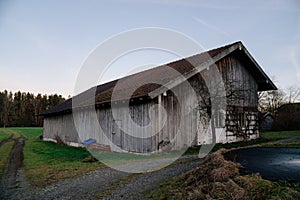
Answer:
(281, 105)
(22, 109)
(270, 101)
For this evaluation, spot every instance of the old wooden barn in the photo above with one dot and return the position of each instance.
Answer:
(184, 125)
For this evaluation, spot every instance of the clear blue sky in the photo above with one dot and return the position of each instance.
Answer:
(44, 43)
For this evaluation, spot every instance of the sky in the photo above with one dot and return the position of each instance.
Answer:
(43, 44)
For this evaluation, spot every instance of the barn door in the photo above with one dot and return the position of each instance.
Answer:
(117, 133)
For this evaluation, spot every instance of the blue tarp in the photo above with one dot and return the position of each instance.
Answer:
(88, 142)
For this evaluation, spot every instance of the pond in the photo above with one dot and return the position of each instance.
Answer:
(271, 163)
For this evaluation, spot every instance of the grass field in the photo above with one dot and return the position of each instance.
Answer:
(4, 155)
(3, 134)
(282, 139)
(267, 139)
(47, 162)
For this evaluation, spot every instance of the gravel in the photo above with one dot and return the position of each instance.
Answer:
(142, 185)
(105, 183)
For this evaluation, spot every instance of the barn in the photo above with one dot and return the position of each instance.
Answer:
(194, 112)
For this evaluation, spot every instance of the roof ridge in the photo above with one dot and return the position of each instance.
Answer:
(172, 62)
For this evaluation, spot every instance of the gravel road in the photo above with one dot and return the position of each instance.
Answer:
(105, 183)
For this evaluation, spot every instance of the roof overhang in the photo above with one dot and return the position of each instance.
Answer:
(263, 81)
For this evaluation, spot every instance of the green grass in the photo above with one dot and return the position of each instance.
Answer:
(11, 131)
(4, 155)
(119, 158)
(282, 139)
(267, 139)
(46, 162)
(27, 132)
(3, 134)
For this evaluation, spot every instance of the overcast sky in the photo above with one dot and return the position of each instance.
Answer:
(43, 44)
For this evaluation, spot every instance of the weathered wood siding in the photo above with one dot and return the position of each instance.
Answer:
(177, 132)
(241, 114)
(61, 126)
(238, 79)
(180, 128)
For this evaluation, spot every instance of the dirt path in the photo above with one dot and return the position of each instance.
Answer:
(12, 180)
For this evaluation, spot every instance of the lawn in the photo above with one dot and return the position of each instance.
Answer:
(267, 139)
(46, 162)
(114, 158)
(282, 139)
(3, 134)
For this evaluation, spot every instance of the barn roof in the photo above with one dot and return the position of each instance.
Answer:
(161, 74)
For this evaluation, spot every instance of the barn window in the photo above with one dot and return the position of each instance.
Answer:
(220, 119)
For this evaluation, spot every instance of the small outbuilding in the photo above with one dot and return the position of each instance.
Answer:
(186, 120)
(266, 121)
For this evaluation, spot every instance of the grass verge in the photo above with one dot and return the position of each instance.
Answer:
(115, 158)
(266, 139)
(3, 134)
(5, 150)
(47, 162)
(282, 139)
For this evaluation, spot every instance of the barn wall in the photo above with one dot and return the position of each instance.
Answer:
(108, 131)
(177, 132)
(101, 126)
(61, 126)
(180, 128)
(239, 82)
(241, 114)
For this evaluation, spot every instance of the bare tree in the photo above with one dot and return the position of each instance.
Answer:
(270, 101)
(293, 94)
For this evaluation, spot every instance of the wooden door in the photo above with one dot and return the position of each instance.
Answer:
(117, 133)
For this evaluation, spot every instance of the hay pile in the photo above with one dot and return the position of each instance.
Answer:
(218, 178)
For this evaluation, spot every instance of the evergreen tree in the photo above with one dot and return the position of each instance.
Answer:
(23, 109)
